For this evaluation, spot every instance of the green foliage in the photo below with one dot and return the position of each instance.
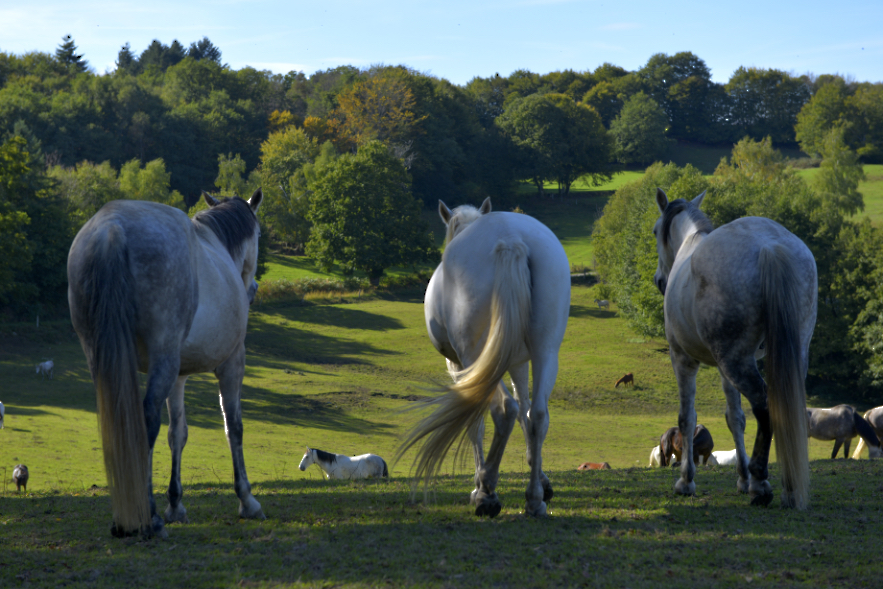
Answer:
(766, 103)
(149, 183)
(86, 188)
(67, 55)
(364, 216)
(638, 131)
(839, 174)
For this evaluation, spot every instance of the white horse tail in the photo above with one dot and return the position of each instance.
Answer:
(385, 469)
(859, 449)
(469, 398)
(110, 314)
(785, 371)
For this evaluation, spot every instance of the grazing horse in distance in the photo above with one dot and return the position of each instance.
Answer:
(153, 291)
(602, 304)
(497, 303)
(340, 466)
(20, 477)
(625, 380)
(841, 424)
(671, 443)
(594, 466)
(874, 417)
(733, 295)
(45, 369)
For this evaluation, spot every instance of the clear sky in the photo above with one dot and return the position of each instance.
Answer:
(460, 39)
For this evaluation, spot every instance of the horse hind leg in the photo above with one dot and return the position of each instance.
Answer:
(230, 375)
(175, 512)
(736, 423)
(685, 369)
(837, 444)
(504, 410)
(520, 378)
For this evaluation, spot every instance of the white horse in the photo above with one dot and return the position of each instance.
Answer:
(656, 457)
(151, 290)
(499, 299)
(723, 458)
(340, 466)
(602, 304)
(841, 424)
(874, 417)
(732, 295)
(45, 369)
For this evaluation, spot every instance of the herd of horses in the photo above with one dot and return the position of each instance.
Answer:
(151, 290)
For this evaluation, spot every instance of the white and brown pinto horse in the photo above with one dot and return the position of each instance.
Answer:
(841, 424)
(874, 417)
(153, 291)
(733, 295)
(498, 301)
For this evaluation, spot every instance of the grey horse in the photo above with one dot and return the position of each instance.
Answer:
(841, 424)
(153, 291)
(733, 295)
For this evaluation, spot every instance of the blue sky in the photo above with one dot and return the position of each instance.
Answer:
(458, 40)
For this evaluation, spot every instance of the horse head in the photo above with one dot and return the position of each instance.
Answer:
(461, 217)
(307, 459)
(671, 230)
(235, 223)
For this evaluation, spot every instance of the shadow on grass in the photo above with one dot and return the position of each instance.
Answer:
(583, 311)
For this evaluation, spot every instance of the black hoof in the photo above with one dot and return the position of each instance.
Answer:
(548, 493)
(762, 500)
(489, 507)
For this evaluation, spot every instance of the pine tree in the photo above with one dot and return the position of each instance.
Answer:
(67, 55)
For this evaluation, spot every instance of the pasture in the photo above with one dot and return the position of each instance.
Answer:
(336, 374)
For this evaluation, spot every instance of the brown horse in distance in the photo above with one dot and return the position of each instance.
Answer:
(627, 379)
(594, 466)
(671, 442)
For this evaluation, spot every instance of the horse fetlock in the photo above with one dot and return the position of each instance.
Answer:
(761, 492)
(251, 509)
(176, 514)
(548, 493)
(742, 485)
(684, 487)
(535, 510)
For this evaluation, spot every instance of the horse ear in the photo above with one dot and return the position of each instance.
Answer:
(444, 212)
(698, 200)
(661, 200)
(256, 199)
(485, 206)
(209, 199)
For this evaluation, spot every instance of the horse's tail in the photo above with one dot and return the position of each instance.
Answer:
(785, 373)
(859, 449)
(385, 469)
(113, 360)
(469, 397)
(865, 431)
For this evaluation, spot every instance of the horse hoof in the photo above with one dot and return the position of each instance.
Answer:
(488, 508)
(539, 511)
(762, 500)
(157, 529)
(176, 515)
(742, 486)
(252, 510)
(683, 487)
(473, 497)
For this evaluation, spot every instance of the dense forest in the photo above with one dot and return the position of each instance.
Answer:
(173, 121)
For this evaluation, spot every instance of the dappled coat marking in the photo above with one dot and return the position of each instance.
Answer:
(733, 295)
(151, 290)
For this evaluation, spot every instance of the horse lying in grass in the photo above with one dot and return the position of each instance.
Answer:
(733, 295)
(723, 458)
(340, 466)
(153, 291)
(841, 424)
(671, 443)
(497, 303)
(874, 417)
(594, 466)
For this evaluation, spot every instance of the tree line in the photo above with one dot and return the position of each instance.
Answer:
(172, 121)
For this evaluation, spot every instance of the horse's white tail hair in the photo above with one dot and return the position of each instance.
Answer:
(467, 400)
(859, 449)
(109, 312)
(785, 373)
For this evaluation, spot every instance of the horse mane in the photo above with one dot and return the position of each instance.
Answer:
(232, 220)
(676, 207)
(463, 216)
(325, 456)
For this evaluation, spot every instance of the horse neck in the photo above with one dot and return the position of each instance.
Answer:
(685, 237)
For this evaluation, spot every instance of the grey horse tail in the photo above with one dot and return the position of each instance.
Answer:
(385, 470)
(785, 372)
(113, 360)
(865, 430)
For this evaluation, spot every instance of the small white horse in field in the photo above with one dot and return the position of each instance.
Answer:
(340, 466)
(45, 369)
(656, 457)
(602, 304)
(723, 458)
(874, 417)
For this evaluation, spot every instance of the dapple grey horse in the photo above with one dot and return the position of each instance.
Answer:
(151, 290)
(499, 299)
(732, 295)
(841, 424)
